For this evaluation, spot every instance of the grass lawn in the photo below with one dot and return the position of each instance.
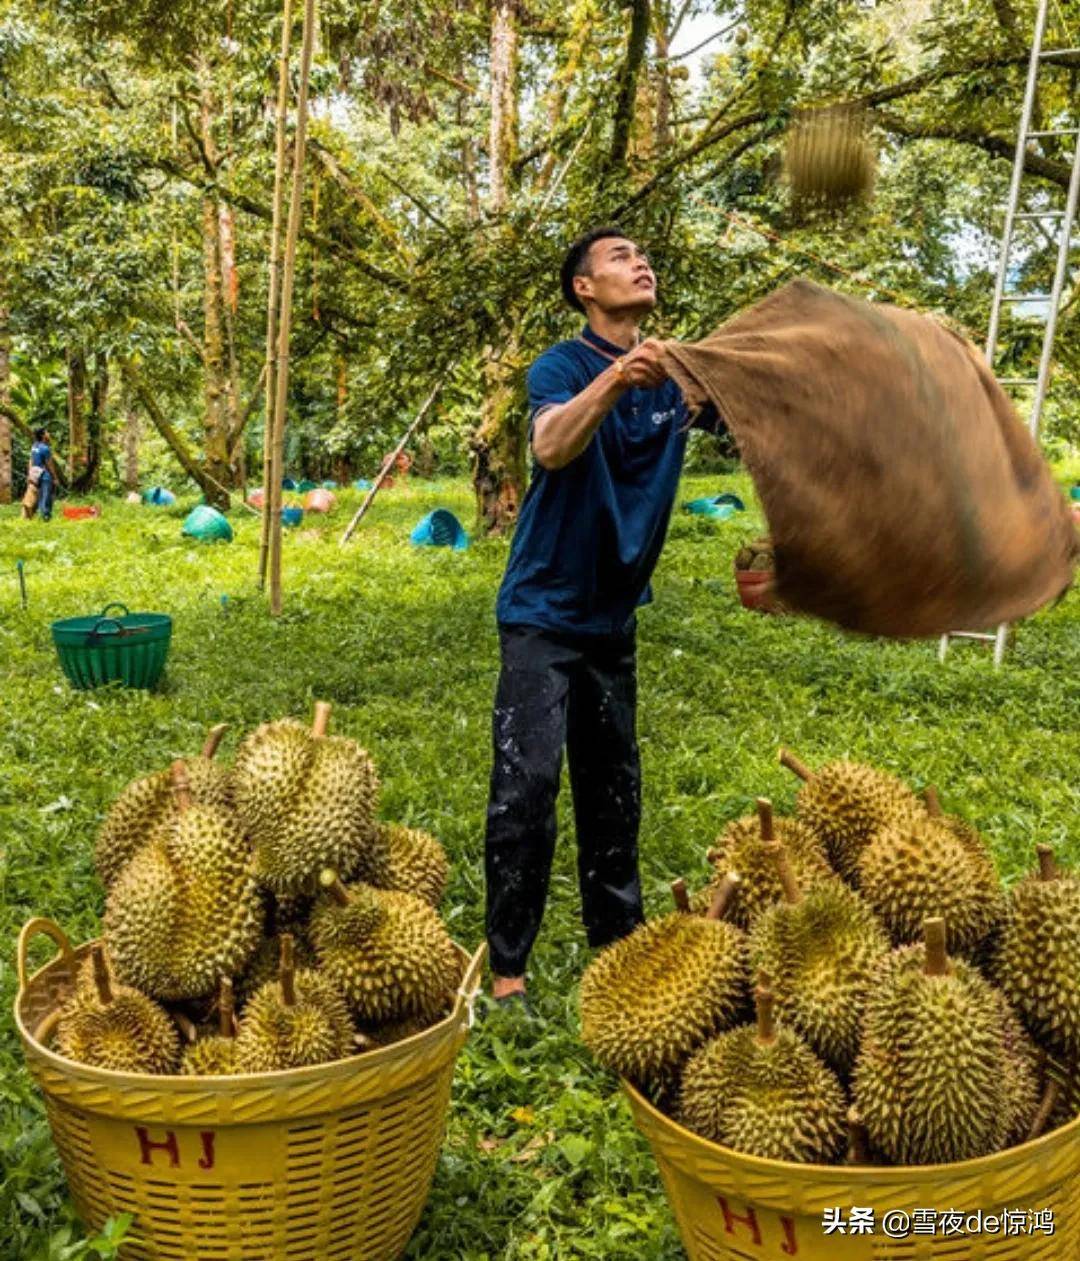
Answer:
(541, 1160)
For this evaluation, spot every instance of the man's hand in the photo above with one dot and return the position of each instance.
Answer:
(642, 366)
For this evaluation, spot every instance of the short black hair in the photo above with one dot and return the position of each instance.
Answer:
(577, 257)
(39, 435)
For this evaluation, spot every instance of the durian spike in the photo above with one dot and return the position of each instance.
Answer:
(778, 853)
(1048, 869)
(937, 958)
(724, 896)
(331, 882)
(320, 724)
(933, 802)
(680, 895)
(792, 763)
(102, 981)
(213, 739)
(765, 818)
(181, 784)
(766, 1017)
(1049, 1102)
(858, 1150)
(186, 1025)
(227, 1009)
(287, 973)
(362, 1043)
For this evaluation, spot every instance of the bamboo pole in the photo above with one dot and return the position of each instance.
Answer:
(275, 279)
(388, 463)
(288, 269)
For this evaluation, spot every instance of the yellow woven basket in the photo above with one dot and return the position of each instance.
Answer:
(318, 1164)
(731, 1207)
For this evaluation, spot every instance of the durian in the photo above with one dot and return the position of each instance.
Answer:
(406, 860)
(917, 867)
(295, 1021)
(1023, 1068)
(389, 953)
(930, 1081)
(649, 999)
(821, 948)
(846, 803)
(114, 1026)
(185, 910)
(308, 800)
(145, 804)
(214, 1055)
(739, 848)
(1037, 959)
(759, 1089)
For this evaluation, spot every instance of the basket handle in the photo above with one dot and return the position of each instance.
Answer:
(31, 929)
(95, 631)
(470, 982)
(115, 605)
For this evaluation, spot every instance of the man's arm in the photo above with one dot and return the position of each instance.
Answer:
(562, 431)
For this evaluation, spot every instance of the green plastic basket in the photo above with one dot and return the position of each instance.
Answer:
(129, 649)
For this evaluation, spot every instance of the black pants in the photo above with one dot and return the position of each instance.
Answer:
(581, 692)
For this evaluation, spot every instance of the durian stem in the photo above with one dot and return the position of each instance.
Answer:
(724, 896)
(766, 1017)
(331, 882)
(1049, 1102)
(765, 819)
(933, 802)
(320, 724)
(181, 785)
(213, 739)
(713, 855)
(792, 763)
(288, 971)
(778, 853)
(1048, 869)
(101, 977)
(227, 1009)
(186, 1026)
(680, 895)
(937, 957)
(858, 1150)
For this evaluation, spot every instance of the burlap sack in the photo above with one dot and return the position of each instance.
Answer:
(904, 495)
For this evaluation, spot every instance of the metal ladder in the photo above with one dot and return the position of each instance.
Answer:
(1040, 57)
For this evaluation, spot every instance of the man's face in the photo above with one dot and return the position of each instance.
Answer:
(619, 278)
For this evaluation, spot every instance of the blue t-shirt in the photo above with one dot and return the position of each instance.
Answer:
(39, 455)
(589, 534)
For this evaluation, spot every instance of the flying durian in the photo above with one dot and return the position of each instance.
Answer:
(820, 947)
(1037, 958)
(145, 804)
(214, 1055)
(295, 1021)
(406, 860)
(918, 867)
(651, 998)
(846, 803)
(931, 1080)
(759, 1089)
(389, 953)
(185, 910)
(739, 848)
(114, 1026)
(307, 799)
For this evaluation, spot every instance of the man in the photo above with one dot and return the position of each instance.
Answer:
(608, 434)
(42, 472)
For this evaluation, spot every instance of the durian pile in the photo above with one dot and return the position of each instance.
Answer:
(852, 985)
(756, 555)
(259, 917)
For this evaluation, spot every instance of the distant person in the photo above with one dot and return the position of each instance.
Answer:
(608, 430)
(42, 473)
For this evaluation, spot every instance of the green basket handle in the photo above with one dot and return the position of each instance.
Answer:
(115, 605)
(95, 631)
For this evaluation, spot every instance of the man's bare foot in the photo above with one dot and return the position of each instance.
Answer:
(504, 986)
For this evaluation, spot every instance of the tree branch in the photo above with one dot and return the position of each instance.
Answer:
(345, 182)
(176, 443)
(628, 76)
(237, 431)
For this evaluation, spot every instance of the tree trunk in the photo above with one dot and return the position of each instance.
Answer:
(503, 137)
(132, 433)
(627, 91)
(86, 480)
(78, 438)
(498, 443)
(217, 467)
(5, 399)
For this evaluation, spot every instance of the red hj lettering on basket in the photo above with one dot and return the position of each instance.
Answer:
(169, 1145)
(789, 1247)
